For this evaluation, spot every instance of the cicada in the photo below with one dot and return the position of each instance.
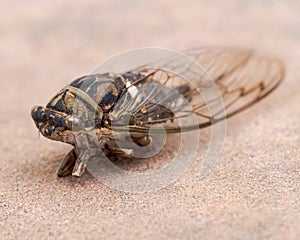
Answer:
(137, 100)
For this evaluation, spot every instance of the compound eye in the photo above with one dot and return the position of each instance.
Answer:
(48, 130)
(74, 123)
(51, 120)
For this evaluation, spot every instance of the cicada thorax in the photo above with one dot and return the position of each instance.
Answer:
(103, 89)
(89, 97)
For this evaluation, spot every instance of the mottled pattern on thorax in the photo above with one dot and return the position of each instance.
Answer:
(104, 89)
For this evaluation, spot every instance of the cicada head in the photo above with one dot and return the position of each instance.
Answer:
(52, 124)
(68, 112)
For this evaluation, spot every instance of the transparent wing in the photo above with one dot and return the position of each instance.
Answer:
(171, 91)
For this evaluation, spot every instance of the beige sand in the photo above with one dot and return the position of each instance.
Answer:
(253, 191)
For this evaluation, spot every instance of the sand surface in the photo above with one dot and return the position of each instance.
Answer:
(252, 192)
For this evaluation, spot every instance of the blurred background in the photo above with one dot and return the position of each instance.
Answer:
(254, 191)
(52, 42)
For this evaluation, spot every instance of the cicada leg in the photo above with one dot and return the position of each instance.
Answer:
(81, 162)
(142, 141)
(86, 148)
(111, 148)
(67, 164)
(74, 164)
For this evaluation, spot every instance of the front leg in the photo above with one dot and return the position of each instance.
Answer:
(75, 165)
(86, 147)
(80, 164)
(67, 164)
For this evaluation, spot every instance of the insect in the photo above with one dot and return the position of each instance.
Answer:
(138, 99)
